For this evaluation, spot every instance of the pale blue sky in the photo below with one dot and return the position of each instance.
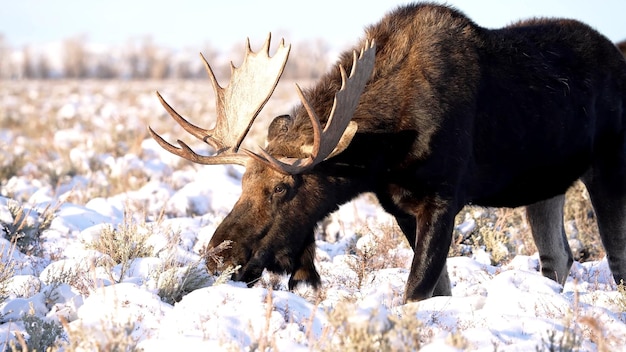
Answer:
(223, 24)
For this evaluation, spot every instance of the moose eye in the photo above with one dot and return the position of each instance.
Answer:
(279, 189)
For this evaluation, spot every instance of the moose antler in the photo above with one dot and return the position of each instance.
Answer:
(339, 128)
(237, 105)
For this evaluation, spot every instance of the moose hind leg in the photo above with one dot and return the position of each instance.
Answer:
(608, 196)
(546, 223)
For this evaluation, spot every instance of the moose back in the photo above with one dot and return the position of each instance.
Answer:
(430, 112)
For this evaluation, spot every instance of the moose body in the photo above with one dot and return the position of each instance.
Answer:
(451, 114)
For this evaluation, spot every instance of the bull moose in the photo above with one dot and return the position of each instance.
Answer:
(435, 113)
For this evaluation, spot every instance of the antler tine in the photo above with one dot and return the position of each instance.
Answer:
(187, 153)
(325, 143)
(237, 105)
(192, 129)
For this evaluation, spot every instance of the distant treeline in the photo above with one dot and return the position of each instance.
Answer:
(77, 58)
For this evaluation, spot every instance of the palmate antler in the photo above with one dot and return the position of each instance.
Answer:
(237, 105)
(339, 126)
(250, 87)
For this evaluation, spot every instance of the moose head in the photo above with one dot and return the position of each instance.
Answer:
(285, 190)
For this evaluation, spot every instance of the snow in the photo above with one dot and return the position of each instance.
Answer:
(509, 307)
(512, 307)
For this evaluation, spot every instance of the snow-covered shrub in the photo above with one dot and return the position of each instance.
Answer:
(113, 337)
(6, 273)
(176, 281)
(374, 329)
(10, 165)
(25, 226)
(42, 334)
(122, 244)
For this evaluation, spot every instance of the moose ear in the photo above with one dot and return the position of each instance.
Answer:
(345, 139)
(280, 125)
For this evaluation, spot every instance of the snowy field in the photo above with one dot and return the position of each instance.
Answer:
(102, 235)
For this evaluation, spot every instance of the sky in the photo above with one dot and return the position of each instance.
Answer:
(186, 24)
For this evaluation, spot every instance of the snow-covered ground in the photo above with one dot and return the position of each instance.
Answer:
(174, 207)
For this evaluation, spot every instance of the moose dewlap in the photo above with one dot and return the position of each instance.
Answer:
(429, 112)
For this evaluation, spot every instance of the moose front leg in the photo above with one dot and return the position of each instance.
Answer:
(408, 226)
(434, 236)
(304, 271)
